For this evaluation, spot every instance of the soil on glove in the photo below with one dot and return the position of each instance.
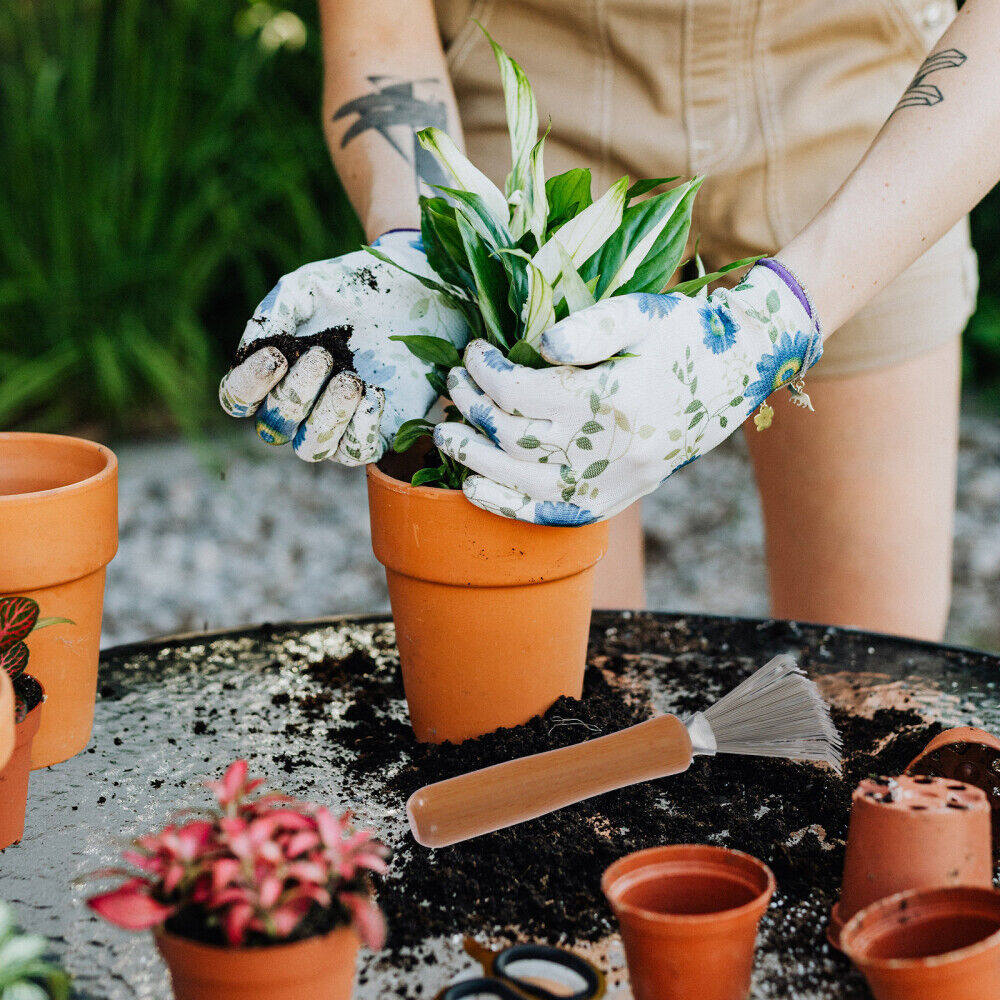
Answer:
(334, 340)
(542, 878)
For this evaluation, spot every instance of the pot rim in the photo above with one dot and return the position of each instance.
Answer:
(718, 854)
(107, 471)
(889, 903)
(162, 933)
(395, 485)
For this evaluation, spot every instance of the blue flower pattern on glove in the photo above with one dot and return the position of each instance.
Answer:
(557, 513)
(479, 414)
(372, 369)
(720, 328)
(783, 365)
(265, 307)
(656, 306)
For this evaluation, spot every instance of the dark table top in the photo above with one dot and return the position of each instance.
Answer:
(174, 711)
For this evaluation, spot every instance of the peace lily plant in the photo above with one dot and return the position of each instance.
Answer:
(515, 262)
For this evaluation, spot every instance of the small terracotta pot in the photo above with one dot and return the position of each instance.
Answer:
(58, 531)
(14, 774)
(492, 615)
(929, 944)
(912, 833)
(7, 708)
(319, 968)
(969, 755)
(688, 917)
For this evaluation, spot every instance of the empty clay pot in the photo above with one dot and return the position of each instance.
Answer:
(14, 774)
(320, 968)
(912, 833)
(58, 532)
(929, 944)
(968, 755)
(7, 730)
(492, 615)
(688, 917)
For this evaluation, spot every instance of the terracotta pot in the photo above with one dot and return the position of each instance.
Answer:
(912, 833)
(688, 917)
(58, 531)
(492, 615)
(7, 732)
(929, 944)
(969, 755)
(14, 774)
(319, 968)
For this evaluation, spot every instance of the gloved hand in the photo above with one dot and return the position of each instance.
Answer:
(376, 383)
(572, 445)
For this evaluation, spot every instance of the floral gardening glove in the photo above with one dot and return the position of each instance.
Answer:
(345, 395)
(571, 445)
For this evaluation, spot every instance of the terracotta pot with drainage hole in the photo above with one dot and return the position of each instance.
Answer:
(912, 833)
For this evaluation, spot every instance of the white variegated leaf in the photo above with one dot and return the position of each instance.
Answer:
(641, 249)
(539, 312)
(571, 286)
(466, 176)
(584, 235)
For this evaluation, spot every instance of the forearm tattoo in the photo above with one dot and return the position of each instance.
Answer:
(920, 93)
(396, 110)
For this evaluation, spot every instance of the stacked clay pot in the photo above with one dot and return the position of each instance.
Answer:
(18, 737)
(911, 833)
(929, 944)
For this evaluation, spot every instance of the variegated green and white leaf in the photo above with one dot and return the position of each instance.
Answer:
(584, 235)
(522, 117)
(539, 311)
(571, 286)
(467, 177)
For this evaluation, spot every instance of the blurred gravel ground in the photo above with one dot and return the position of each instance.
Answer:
(245, 533)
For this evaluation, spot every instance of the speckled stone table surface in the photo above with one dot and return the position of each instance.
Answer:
(172, 712)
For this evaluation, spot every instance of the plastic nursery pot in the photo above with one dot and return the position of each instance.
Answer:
(912, 833)
(969, 755)
(14, 774)
(929, 944)
(7, 730)
(318, 968)
(688, 917)
(58, 532)
(492, 615)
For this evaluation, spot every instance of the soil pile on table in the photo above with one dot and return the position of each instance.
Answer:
(542, 878)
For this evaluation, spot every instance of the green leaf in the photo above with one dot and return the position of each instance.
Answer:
(491, 283)
(539, 313)
(52, 620)
(432, 350)
(639, 188)
(419, 309)
(438, 381)
(653, 274)
(674, 434)
(529, 442)
(699, 416)
(494, 233)
(595, 403)
(568, 493)
(567, 194)
(736, 400)
(566, 474)
(424, 477)
(442, 243)
(585, 443)
(570, 286)
(671, 454)
(410, 432)
(695, 284)
(773, 301)
(622, 421)
(723, 422)
(467, 177)
(592, 426)
(595, 468)
(584, 234)
(692, 406)
(522, 353)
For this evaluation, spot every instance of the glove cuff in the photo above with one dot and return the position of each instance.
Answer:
(410, 235)
(795, 286)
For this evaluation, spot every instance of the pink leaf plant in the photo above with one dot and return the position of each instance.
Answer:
(18, 619)
(258, 869)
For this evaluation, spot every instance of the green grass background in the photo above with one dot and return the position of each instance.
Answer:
(161, 164)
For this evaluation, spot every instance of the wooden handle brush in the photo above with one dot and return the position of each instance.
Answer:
(777, 712)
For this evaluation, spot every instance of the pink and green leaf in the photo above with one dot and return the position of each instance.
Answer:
(14, 659)
(18, 616)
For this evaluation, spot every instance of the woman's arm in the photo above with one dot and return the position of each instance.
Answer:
(936, 157)
(385, 79)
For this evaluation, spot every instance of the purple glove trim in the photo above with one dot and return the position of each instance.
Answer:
(793, 283)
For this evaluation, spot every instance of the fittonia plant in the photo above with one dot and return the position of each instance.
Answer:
(18, 619)
(516, 261)
(24, 972)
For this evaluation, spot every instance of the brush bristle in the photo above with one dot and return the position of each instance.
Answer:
(776, 712)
